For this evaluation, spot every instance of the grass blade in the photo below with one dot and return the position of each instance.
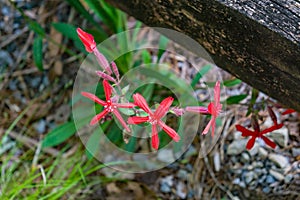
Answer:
(38, 52)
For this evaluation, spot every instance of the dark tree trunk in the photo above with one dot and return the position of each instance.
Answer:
(257, 41)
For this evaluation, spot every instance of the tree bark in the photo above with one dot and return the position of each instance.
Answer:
(257, 41)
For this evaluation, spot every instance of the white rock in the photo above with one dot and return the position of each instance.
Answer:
(295, 152)
(254, 149)
(237, 147)
(279, 160)
(217, 162)
(262, 153)
(280, 136)
(181, 190)
(277, 175)
(166, 155)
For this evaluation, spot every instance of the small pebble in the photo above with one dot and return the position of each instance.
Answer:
(266, 190)
(245, 157)
(270, 179)
(279, 160)
(166, 155)
(165, 188)
(249, 177)
(40, 126)
(288, 178)
(182, 174)
(181, 191)
(295, 152)
(277, 175)
(262, 153)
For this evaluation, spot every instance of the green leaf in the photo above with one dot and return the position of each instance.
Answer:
(59, 134)
(235, 99)
(79, 7)
(231, 83)
(146, 57)
(162, 45)
(37, 28)
(148, 92)
(38, 52)
(103, 13)
(200, 74)
(67, 30)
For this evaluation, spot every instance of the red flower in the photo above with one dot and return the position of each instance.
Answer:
(288, 111)
(109, 105)
(258, 134)
(154, 118)
(87, 39)
(213, 108)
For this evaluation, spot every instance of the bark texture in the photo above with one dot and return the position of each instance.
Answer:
(257, 41)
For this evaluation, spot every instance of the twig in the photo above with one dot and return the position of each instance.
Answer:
(212, 174)
(29, 142)
(13, 37)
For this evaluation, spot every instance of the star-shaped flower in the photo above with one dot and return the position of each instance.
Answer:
(214, 109)
(257, 133)
(109, 105)
(154, 118)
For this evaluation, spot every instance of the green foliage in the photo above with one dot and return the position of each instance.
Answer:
(236, 99)
(38, 52)
(37, 28)
(232, 82)
(59, 134)
(162, 45)
(204, 70)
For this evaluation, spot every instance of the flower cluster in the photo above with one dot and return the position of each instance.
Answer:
(111, 104)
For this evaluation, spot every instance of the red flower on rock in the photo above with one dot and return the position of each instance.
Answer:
(109, 105)
(214, 108)
(257, 133)
(154, 118)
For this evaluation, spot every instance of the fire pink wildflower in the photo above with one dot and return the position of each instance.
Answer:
(213, 109)
(154, 118)
(109, 105)
(90, 46)
(288, 111)
(87, 40)
(257, 133)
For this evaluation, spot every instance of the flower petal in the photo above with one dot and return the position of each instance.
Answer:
(197, 109)
(121, 120)
(268, 142)
(272, 128)
(107, 89)
(288, 111)
(250, 143)
(137, 120)
(87, 40)
(245, 132)
(171, 132)
(205, 131)
(141, 102)
(154, 137)
(93, 98)
(124, 105)
(98, 117)
(163, 107)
